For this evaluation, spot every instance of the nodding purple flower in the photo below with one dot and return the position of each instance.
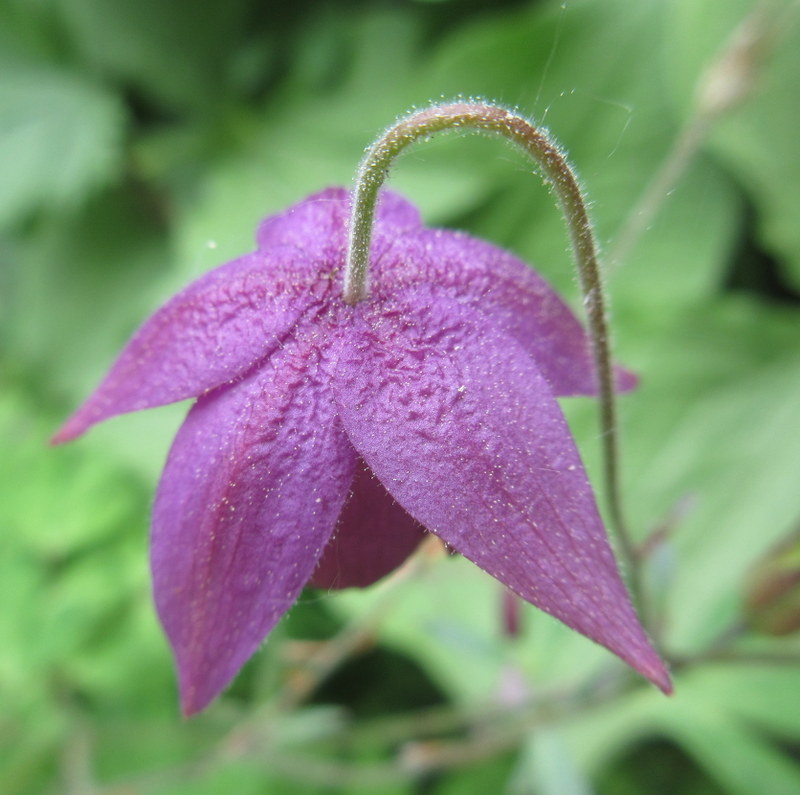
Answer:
(327, 439)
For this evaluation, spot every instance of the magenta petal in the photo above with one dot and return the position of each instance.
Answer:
(209, 333)
(318, 225)
(373, 537)
(513, 296)
(250, 495)
(461, 428)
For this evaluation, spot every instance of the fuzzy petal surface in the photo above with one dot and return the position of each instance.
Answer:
(509, 293)
(318, 225)
(373, 537)
(253, 486)
(209, 333)
(463, 430)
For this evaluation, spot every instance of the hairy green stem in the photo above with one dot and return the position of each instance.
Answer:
(556, 172)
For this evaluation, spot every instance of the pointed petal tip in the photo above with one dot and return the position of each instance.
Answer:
(626, 380)
(196, 690)
(67, 432)
(659, 676)
(652, 668)
(81, 420)
(190, 706)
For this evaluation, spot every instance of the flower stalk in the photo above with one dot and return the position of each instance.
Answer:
(559, 176)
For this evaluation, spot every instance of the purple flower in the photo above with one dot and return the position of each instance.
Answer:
(327, 439)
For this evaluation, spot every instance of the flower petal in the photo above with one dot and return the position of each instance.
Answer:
(318, 224)
(373, 537)
(255, 481)
(209, 333)
(512, 295)
(461, 428)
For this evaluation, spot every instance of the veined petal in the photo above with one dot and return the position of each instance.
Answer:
(462, 429)
(318, 225)
(373, 537)
(209, 333)
(253, 486)
(512, 296)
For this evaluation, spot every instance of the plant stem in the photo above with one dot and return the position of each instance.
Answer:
(557, 174)
(726, 83)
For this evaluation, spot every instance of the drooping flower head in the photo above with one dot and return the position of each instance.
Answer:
(328, 438)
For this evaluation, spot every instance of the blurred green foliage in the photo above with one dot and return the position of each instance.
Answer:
(140, 143)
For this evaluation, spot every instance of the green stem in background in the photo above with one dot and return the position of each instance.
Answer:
(726, 84)
(474, 116)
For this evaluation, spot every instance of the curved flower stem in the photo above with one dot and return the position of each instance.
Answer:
(559, 176)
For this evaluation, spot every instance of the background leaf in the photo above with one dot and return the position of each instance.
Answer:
(60, 138)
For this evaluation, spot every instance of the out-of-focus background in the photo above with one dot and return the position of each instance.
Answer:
(140, 144)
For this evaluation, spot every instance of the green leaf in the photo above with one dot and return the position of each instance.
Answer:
(108, 262)
(742, 761)
(60, 138)
(178, 53)
(767, 696)
(77, 626)
(546, 767)
(757, 139)
(717, 420)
